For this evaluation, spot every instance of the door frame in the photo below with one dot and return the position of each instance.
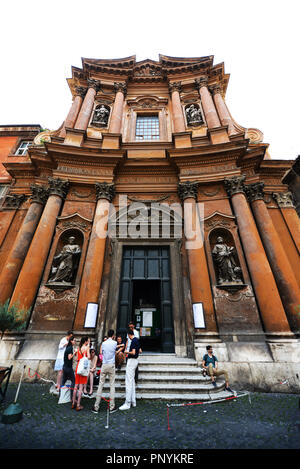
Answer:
(178, 306)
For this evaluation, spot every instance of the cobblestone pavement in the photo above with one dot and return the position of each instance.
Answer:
(269, 421)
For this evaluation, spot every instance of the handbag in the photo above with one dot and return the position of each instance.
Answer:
(83, 366)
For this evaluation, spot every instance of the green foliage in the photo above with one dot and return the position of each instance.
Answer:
(12, 318)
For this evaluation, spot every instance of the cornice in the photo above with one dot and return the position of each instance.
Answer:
(230, 150)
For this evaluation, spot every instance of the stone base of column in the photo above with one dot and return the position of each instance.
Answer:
(218, 135)
(280, 336)
(182, 139)
(111, 141)
(74, 137)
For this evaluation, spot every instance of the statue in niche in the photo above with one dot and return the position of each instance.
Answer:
(227, 268)
(101, 115)
(193, 115)
(65, 264)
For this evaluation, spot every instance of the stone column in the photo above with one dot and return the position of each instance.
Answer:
(30, 275)
(178, 119)
(285, 203)
(208, 106)
(22, 242)
(270, 305)
(11, 204)
(198, 269)
(87, 105)
(117, 113)
(282, 271)
(74, 110)
(93, 267)
(222, 109)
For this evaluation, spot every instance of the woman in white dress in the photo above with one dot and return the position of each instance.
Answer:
(59, 362)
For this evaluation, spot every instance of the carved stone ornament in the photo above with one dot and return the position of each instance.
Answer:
(284, 199)
(101, 115)
(39, 194)
(228, 271)
(193, 115)
(14, 201)
(215, 89)
(199, 82)
(175, 86)
(65, 264)
(96, 84)
(105, 190)
(255, 191)
(119, 86)
(81, 91)
(188, 189)
(58, 187)
(235, 185)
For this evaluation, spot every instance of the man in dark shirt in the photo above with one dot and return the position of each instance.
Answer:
(68, 372)
(132, 363)
(210, 364)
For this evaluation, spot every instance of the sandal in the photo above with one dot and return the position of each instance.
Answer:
(79, 407)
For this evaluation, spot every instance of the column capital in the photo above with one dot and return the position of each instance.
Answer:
(58, 187)
(255, 191)
(39, 194)
(284, 199)
(80, 91)
(14, 201)
(188, 189)
(104, 190)
(199, 82)
(215, 89)
(175, 86)
(235, 185)
(95, 84)
(120, 86)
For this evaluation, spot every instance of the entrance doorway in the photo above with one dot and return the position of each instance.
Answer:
(145, 297)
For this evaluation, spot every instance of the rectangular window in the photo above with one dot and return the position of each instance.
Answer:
(147, 128)
(23, 147)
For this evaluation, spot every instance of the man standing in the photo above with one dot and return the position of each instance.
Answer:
(136, 334)
(132, 363)
(107, 370)
(210, 364)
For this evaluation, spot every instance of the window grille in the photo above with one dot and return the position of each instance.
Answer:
(147, 128)
(23, 147)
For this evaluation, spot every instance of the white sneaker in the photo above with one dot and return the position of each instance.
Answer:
(133, 404)
(124, 407)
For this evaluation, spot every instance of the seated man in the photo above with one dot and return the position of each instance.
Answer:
(210, 364)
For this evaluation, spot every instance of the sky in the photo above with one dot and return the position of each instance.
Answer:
(258, 41)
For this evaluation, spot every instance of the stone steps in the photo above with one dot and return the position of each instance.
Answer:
(167, 377)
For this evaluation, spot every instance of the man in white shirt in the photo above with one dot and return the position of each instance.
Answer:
(107, 370)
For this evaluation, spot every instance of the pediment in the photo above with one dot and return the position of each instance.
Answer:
(147, 101)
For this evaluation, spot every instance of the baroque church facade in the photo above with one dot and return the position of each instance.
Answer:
(151, 203)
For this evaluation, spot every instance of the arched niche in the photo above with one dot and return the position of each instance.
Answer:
(65, 262)
(225, 259)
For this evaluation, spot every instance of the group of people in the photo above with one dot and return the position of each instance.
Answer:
(113, 353)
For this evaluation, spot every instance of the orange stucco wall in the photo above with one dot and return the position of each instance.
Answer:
(6, 144)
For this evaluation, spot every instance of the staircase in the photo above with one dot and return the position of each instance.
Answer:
(167, 377)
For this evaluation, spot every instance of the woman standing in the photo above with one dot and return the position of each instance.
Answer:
(59, 362)
(80, 381)
(68, 372)
(93, 365)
